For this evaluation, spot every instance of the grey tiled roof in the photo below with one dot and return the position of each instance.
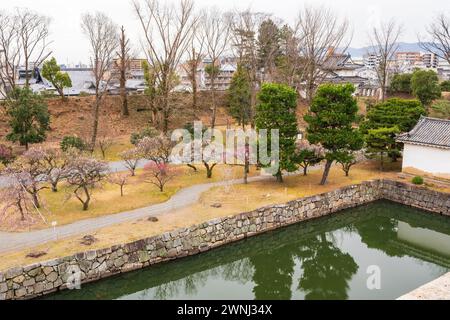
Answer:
(429, 131)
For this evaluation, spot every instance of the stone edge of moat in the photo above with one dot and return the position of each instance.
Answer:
(47, 277)
(438, 289)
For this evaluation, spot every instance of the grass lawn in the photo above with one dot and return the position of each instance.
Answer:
(236, 199)
(106, 200)
(119, 144)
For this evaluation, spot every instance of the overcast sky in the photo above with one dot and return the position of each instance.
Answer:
(69, 44)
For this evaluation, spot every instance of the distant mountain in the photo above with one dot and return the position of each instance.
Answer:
(403, 46)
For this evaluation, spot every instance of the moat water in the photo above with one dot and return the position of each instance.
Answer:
(378, 251)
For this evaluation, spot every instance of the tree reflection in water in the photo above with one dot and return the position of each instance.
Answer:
(326, 269)
(309, 259)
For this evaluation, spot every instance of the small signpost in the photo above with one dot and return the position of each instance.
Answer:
(54, 224)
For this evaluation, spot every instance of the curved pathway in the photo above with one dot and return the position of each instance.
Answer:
(185, 197)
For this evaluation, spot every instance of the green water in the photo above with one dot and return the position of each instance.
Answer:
(326, 258)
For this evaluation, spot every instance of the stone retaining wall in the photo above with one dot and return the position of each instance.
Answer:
(47, 277)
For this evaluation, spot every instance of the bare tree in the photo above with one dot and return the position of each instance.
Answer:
(320, 33)
(56, 166)
(131, 159)
(215, 30)
(384, 44)
(30, 172)
(103, 39)
(167, 30)
(15, 199)
(123, 64)
(156, 149)
(195, 56)
(33, 35)
(105, 142)
(10, 52)
(438, 41)
(84, 175)
(159, 174)
(120, 179)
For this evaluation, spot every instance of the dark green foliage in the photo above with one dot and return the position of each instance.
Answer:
(146, 132)
(381, 142)
(332, 115)
(401, 83)
(212, 71)
(425, 86)
(276, 110)
(268, 44)
(239, 97)
(418, 180)
(347, 160)
(72, 142)
(399, 113)
(29, 118)
(394, 112)
(445, 86)
(60, 80)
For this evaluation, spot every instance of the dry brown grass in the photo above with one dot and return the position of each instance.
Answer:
(236, 199)
(107, 200)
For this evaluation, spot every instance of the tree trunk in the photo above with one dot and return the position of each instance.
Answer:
(54, 186)
(22, 214)
(121, 190)
(95, 123)
(194, 89)
(326, 172)
(305, 170)
(123, 93)
(279, 176)
(36, 200)
(88, 199)
(246, 160)
(213, 101)
(192, 167)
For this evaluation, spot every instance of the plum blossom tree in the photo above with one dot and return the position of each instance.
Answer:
(84, 174)
(15, 200)
(120, 179)
(56, 163)
(6, 155)
(156, 149)
(131, 159)
(30, 172)
(159, 174)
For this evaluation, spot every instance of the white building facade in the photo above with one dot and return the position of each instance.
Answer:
(427, 148)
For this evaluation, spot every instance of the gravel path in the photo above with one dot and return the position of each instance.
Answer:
(185, 197)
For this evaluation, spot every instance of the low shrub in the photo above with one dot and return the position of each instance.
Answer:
(144, 133)
(418, 180)
(445, 86)
(6, 155)
(69, 142)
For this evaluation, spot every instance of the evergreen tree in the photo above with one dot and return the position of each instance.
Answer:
(239, 97)
(425, 86)
(399, 113)
(330, 123)
(60, 80)
(382, 141)
(29, 117)
(276, 110)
